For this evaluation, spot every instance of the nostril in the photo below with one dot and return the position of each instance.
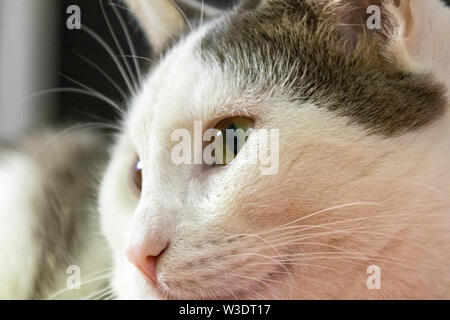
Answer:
(146, 264)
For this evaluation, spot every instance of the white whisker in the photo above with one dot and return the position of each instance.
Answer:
(118, 45)
(108, 77)
(130, 43)
(183, 14)
(112, 55)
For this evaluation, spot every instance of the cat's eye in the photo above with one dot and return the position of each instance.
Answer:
(137, 175)
(234, 133)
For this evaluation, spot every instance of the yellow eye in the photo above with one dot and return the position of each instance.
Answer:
(234, 133)
(136, 176)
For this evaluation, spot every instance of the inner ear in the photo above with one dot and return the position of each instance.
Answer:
(164, 21)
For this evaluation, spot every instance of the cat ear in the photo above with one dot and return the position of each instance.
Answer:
(412, 31)
(164, 21)
(420, 41)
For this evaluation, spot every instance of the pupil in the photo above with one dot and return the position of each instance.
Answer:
(233, 127)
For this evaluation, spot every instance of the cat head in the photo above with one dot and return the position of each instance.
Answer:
(361, 132)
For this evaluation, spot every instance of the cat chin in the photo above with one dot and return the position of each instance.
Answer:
(131, 285)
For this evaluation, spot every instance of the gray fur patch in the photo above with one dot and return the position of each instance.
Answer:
(70, 165)
(311, 61)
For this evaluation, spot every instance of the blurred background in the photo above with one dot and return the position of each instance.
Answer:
(38, 54)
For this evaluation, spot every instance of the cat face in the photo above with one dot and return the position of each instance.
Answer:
(361, 180)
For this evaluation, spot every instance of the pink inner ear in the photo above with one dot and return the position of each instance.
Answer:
(422, 43)
(405, 9)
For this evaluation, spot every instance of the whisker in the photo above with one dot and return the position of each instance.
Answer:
(316, 244)
(112, 55)
(121, 7)
(353, 220)
(353, 231)
(348, 274)
(58, 293)
(79, 91)
(251, 235)
(352, 259)
(99, 272)
(116, 41)
(321, 212)
(107, 76)
(183, 14)
(265, 257)
(272, 281)
(109, 296)
(97, 293)
(137, 57)
(101, 120)
(99, 94)
(130, 42)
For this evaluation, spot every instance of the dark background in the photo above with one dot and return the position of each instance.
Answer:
(77, 45)
(76, 108)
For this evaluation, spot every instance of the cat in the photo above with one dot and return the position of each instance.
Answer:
(48, 224)
(359, 207)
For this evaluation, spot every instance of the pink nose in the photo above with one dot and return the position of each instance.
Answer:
(144, 262)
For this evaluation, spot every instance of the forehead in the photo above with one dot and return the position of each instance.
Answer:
(294, 46)
(181, 89)
(289, 50)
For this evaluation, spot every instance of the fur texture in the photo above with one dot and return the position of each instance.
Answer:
(363, 179)
(47, 213)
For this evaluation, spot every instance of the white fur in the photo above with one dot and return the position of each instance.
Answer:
(21, 204)
(19, 188)
(395, 190)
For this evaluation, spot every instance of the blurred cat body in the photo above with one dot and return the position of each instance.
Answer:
(50, 243)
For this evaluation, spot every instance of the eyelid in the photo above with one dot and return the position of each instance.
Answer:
(211, 124)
